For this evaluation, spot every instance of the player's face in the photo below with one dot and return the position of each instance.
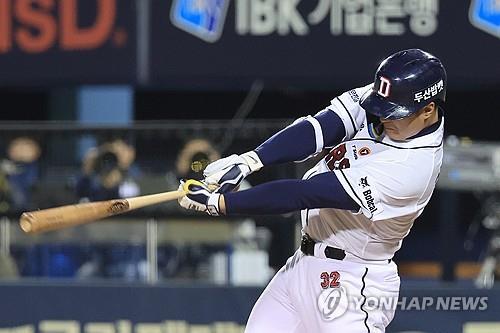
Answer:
(402, 129)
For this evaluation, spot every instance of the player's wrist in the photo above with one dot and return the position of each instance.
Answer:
(252, 160)
(213, 204)
(228, 173)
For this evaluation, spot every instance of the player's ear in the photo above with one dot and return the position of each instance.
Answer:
(429, 110)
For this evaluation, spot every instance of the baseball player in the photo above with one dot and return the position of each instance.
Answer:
(384, 144)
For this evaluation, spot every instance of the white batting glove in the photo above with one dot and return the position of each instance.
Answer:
(228, 172)
(199, 197)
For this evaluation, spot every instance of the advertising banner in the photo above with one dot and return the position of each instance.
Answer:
(67, 41)
(228, 44)
(135, 308)
(321, 43)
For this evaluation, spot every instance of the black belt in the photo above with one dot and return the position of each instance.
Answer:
(307, 247)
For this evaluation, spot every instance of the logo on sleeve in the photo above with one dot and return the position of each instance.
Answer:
(354, 95)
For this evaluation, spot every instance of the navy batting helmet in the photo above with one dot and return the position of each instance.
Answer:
(405, 82)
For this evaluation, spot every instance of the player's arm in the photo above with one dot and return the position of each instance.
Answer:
(341, 120)
(307, 136)
(276, 197)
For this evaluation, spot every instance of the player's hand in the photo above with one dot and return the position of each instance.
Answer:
(228, 172)
(199, 197)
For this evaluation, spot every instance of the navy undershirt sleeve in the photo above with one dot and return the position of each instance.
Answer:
(283, 196)
(298, 141)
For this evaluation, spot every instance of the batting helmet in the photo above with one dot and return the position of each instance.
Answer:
(405, 82)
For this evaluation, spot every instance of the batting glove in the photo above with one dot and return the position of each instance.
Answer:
(199, 197)
(227, 173)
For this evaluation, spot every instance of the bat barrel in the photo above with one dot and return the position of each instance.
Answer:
(71, 215)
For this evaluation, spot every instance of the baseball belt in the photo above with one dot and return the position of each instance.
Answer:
(307, 247)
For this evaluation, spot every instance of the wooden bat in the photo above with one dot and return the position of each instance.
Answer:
(71, 215)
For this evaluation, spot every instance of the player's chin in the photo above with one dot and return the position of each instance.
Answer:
(394, 134)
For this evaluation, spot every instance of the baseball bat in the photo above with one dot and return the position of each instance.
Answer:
(71, 215)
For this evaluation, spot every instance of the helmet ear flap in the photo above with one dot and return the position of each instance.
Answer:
(372, 119)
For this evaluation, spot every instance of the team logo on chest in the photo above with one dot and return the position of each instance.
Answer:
(337, 159)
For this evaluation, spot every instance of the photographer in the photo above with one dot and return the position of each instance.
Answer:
(105, 173)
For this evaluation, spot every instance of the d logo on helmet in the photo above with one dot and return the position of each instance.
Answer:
(385, 87)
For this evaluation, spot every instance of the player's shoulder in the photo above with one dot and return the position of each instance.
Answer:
(353, 96)
(347, 107)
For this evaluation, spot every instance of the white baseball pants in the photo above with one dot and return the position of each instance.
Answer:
(311, 294)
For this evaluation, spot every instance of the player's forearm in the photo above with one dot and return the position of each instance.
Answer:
(303, 139)
(283, 196)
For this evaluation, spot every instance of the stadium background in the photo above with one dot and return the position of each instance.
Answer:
(76, 75)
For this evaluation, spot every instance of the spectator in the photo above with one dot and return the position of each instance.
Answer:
(107, 173)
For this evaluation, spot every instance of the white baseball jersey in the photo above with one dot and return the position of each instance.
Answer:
(391, 181)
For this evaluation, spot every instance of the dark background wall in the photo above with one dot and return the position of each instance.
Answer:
(473, 114)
